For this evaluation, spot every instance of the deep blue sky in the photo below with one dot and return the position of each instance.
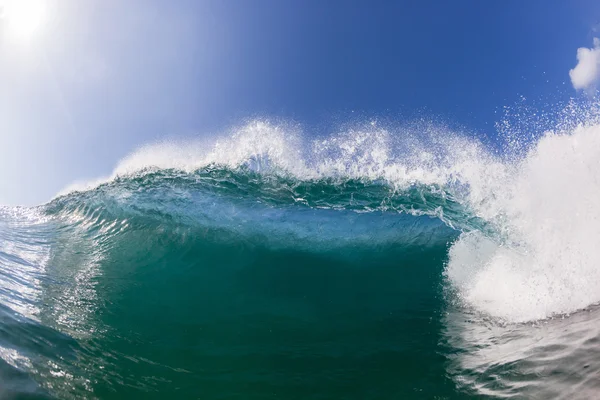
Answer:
(100, 77)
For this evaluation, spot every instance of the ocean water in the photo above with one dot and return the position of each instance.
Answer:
(368, 264)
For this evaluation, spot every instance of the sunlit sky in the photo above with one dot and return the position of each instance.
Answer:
(83, 83)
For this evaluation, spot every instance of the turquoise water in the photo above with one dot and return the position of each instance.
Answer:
(178, 300)
(240, 282)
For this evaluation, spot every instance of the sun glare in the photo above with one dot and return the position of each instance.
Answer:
(23, 17)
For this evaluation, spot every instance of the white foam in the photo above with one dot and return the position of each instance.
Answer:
(547, 206)
(426, 154)
(256, 142)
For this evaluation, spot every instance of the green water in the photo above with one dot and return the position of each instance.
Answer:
(259, 324)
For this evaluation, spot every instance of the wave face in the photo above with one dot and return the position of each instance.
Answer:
(368, 264)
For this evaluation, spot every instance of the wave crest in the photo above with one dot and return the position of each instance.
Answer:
(529, 218)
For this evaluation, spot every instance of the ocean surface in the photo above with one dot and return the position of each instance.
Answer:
(368, 264)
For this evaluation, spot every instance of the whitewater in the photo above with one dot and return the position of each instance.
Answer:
(267, 262)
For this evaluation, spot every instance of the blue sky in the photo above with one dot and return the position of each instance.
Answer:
(98, 78)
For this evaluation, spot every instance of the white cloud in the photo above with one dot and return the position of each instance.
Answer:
(586, 73)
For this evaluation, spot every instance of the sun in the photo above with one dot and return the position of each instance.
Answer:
(23, 18)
